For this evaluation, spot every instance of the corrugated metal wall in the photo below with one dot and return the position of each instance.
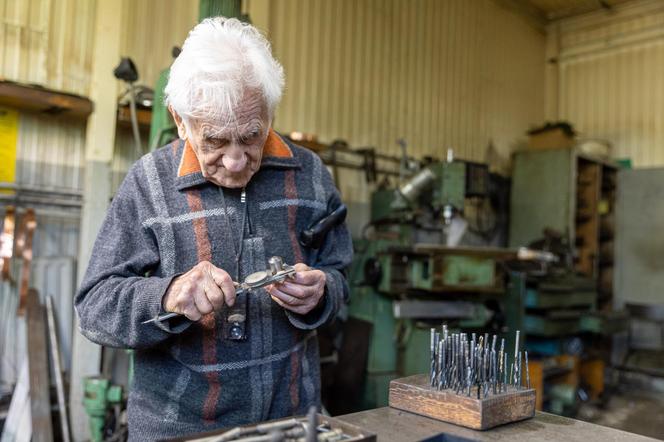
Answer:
(438, 73)
(49, 42)
(611, 78)
(441, 74)
(153, 27)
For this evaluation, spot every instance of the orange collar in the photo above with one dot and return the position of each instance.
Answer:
(274, 147)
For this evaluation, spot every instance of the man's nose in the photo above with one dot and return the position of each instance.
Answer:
(234, 160)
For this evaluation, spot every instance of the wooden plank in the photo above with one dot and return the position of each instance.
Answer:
(57, 368)
(414, 394)
(40, 401)
(37, 99)
(17, 426)
(24, 248)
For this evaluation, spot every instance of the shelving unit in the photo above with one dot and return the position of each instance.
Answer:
(574, 194)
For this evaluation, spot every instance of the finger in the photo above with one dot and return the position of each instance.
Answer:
(181, 299)
(192, 313)
(310, 277)
(185, 304)
(295, 290)
(214, 293)
(301, 267)
(286, 298)
(280, 302)
(202, 302)
(225, 283)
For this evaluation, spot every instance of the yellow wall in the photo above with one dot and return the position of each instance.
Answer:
(609, 80)
(441, 74)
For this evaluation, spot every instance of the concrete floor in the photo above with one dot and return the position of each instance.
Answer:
(636, 404)
(636, 413)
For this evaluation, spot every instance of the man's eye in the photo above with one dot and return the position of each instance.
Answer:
(215, 142)
(250, 138)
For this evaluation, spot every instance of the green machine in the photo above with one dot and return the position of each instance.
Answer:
(405, 278)
(100, 396)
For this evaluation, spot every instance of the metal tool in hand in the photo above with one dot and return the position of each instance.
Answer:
(277, 272)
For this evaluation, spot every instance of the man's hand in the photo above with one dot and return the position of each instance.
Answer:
(203, 289)
(302, 293)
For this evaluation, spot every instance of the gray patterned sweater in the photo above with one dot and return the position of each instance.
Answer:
(166, 218)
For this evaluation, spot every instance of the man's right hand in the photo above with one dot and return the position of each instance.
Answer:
(203, 289)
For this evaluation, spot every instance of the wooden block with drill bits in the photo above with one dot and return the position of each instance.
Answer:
(471, 383)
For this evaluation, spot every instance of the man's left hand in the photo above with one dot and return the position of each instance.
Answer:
(302, 293)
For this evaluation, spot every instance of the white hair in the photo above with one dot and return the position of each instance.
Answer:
(220, 60)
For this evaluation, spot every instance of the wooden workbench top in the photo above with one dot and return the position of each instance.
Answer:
(391, 425)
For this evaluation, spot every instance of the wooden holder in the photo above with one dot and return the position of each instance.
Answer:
(413, 394)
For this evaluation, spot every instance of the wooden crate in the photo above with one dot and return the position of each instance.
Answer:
(413, 394)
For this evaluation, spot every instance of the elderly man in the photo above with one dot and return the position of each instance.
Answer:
(198, 215)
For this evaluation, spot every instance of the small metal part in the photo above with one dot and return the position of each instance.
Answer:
(237, 317)
(276, 264)
(257, 278)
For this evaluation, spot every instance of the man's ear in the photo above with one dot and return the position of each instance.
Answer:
(182, 129)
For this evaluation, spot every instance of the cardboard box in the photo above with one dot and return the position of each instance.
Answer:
(551, 138)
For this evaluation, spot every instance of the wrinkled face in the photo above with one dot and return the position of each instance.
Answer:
(230, 153)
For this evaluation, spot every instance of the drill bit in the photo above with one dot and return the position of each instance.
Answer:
(520, 378)
(441, 357)
(516, 356)
(432, 370)
(527, 372)
(505, 373)
(493, 370)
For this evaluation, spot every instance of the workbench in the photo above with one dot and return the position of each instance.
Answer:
(391, 425)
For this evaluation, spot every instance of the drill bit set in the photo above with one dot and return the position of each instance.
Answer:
(474, 365)
(472, 382)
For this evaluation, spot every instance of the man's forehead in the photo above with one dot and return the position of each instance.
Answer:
(218, 127)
